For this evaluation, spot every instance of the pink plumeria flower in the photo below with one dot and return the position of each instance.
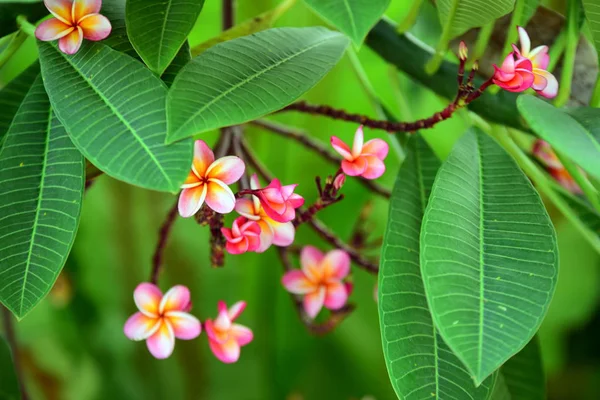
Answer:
(271, 231)
(225, 337)
(365, 159)
(243, 236)
(280, 202)
(161, 319)
(544, 153)
(321, 280)
(74, 20)
(514, 75)
(208, 182)
(544, 83)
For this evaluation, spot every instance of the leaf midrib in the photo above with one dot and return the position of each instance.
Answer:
(162, 38)
(351, 18)
(481, 256)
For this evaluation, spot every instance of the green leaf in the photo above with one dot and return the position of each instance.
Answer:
(419, 363)
(9, 385)
(488, 255)
(9, 11)
(13, 94)
(114, 110)
(114, 10)
(501, 391)
(181, 59)
(524, 373)
(158, 28)
(246, 78)
(41, 186)
(592, 13)
(529, 9)
(565, 132)
(354, 18)
(466, 14)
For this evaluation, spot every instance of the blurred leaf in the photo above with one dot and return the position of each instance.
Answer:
(10, 10)
(253, 25)
(488, 255)
(9, 385)
(41, 185)
(529, 9)
(524, 373)
(354, 18)
(592, 13)
(180, 60)
(588, 117)
(419, 363)
(13, 94)
(121, 131)
(552, 124)
(466, 14)
(501, 391)
(157, 28)
(586, 213)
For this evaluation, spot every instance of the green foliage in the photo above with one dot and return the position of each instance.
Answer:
(41, 184)
(524, 373)
(182, 57)
(12, 96)
(463, 15)
(489, 268)
(245, 78)
(10, 10)
(551, 124)
(529, 9)
(420, 364)
(592, 13)
(9, 386)
(352, 17)
(157, 28)
(126, 138)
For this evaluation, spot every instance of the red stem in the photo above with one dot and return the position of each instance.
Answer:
(163, 236)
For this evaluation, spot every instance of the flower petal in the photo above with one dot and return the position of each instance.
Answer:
(376, 147)
(220, 197)
(242, 334)
(336, 264)
(266, 235)
(95, 27)
(82, 8)
(191, 181)
(235, 310)
(52, 29)
(191, 200)
(162, 342)
(245, 207)
(71, 43)
(140, 327)
(61, 9)
(228, 352)
(539, 57)
(238, 247)
(147, 297)
(254, 182)
(341, 147)
(203, 158)
(336, 296)
(375, 167)
(310, 259)
(357, 145)
(283, 233)
(253, 243)
(176, 299)
(525, 41)
(295, 282)
(185, 326)
(354, 168)
(551, 89)
(313, 302)
(226, 169)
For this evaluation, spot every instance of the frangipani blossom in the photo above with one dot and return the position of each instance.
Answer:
(161, 319)
(320, 280)
(208, 182)
(279, 202)
(544, 153)
(544, 83)
(243, 236)
(271, 231)
(514, 75)
(365, 159)
(225, 337)
(74, 20)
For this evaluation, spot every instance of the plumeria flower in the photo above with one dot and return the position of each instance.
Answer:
(243, 236)
(365, 159)
(514, 75)
(161, 319)
(271, 231)
(74, 20)
(279, 202)
(544, 83)
(320, 280)
(225, 337)
(544, 153)
(208, 182)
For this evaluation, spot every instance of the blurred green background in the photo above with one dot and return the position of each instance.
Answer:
(72, 345)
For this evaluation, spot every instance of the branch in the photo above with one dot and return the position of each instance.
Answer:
(12, 342)
(228, 14)
(163, 236)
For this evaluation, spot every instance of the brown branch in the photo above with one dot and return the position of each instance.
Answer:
(163, 236)
(254, 162)
(11, 339)
(318, 147)
(228, 15)
(335, 318)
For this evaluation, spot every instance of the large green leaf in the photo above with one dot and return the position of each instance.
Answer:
(355, 18)
(181, 59)
(592, 13)
(13, 94)
(565, 132)
(466, 14)
(488, 255)
(41, 186)
(419, 363)
(246, 78)
(158, 28)
(114, 110)
(524, 373)
(9, 385)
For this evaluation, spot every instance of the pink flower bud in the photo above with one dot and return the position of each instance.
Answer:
(243, 236)
(339, 181)
(463, 51)
(280, 202)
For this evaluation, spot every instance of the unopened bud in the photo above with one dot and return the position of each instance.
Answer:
(339, 181)
(463, 51)
(476, 65)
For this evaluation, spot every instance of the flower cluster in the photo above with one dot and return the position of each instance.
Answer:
(525, 68)
(162, 318)
(544, 153)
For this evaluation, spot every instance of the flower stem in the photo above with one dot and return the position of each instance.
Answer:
(572, 40)
(163, 236)
(557, 50)
(11, 339)
(440, 51)
(26, 26)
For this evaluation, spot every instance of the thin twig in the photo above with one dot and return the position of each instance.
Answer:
(228, 14)
(254, 162)
(12, 342)
(163, 236)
